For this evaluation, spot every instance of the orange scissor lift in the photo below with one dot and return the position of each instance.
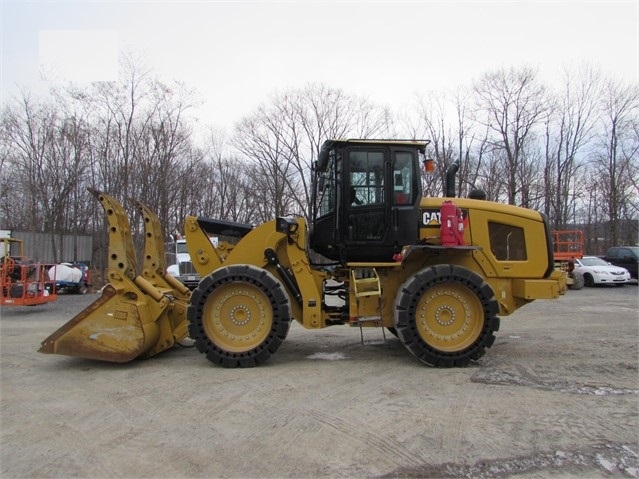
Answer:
(23, 282)
(568, 246)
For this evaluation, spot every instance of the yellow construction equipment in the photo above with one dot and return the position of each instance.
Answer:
(436, 272)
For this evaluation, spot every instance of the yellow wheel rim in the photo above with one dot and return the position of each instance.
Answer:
(449, 317)
(237, 317)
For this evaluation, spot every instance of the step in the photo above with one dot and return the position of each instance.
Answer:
(364, 319)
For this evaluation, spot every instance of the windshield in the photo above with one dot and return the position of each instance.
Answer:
(593, 262)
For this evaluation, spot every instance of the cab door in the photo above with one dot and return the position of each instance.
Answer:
(381, 208)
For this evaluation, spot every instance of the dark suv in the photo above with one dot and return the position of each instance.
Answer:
(625, 257)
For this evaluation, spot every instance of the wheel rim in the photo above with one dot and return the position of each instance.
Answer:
(237, 317)
(449, 317)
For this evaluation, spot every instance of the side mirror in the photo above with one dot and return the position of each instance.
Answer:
(322, 160)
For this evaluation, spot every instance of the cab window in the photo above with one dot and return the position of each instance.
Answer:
(366, 178)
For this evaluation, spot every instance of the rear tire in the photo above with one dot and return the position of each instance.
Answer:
(239, 315)
(577, 280)
(446, 315)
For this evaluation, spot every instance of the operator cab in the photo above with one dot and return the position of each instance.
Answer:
(366, 196)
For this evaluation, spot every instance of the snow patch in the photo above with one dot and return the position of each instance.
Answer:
(503, 377)
(327, 356)
(608, 465)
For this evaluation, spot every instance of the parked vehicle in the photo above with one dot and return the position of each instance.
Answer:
(597, 271)
(180, 265)
(625, 257)
(71, 277)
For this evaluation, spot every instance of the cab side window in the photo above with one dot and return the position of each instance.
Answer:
(507, 242)
(403, 178)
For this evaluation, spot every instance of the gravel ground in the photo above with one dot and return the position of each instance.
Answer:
(557, 396)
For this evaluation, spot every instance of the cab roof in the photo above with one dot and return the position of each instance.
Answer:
(373, 141)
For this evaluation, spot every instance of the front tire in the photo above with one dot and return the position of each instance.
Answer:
(239, 315)
(588, 280)
(446, 315)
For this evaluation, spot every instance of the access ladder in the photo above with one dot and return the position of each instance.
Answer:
(366, 283)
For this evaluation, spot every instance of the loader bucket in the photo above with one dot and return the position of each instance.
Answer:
(110, 329)
(137, 315)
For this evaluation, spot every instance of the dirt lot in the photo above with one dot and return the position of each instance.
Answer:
(556, 396)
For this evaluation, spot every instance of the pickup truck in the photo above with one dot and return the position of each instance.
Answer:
(625, 257)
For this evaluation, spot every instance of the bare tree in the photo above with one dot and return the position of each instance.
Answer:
(490, 177)
(568, 131)
(454, 138)
(161, 157)
(436, 127)
(616, 157)
(7, 170)
(47, 154)
(228, 190)
(511, 103)
(122, 118)
(471, 141)
(261, 139)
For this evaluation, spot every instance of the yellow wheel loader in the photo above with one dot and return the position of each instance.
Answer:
(435, 272)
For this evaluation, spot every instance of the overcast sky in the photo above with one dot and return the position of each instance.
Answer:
(235, 54)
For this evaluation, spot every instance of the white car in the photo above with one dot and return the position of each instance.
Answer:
(597, 271)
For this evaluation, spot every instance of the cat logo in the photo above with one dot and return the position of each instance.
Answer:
(431, 217)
